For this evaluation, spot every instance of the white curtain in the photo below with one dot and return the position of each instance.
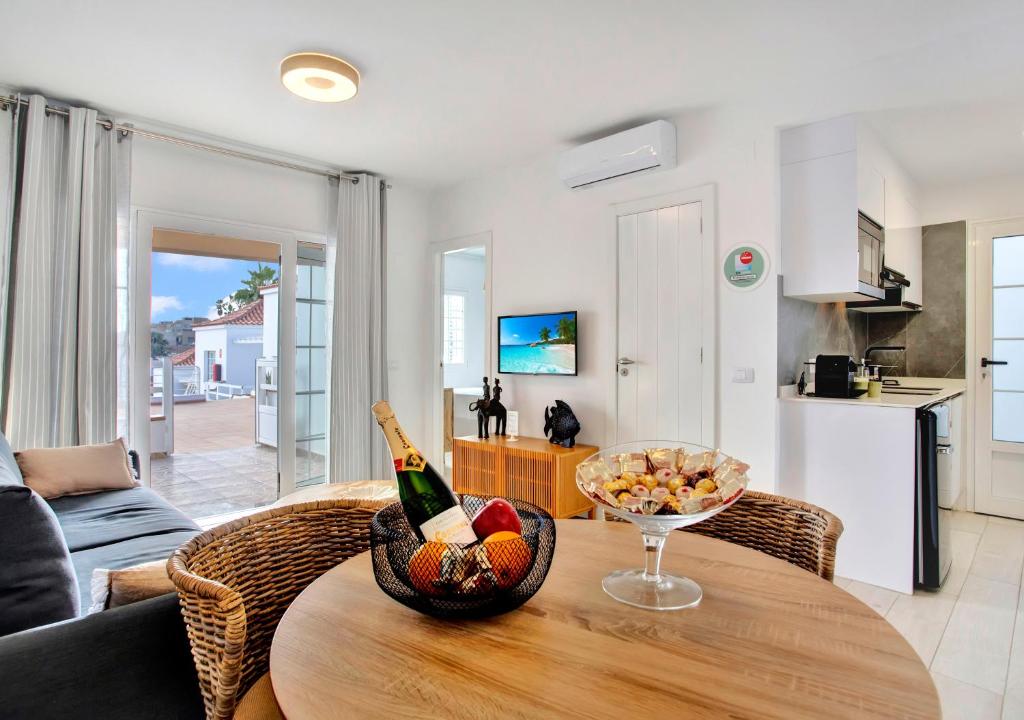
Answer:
(61, 379)
(8, 170)
(358, 370)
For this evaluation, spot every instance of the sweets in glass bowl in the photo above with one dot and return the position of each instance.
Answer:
(663, 481)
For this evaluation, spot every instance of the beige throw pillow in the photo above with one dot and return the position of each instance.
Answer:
(55, 472)
(114, 588)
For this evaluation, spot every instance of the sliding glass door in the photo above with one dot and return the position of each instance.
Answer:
(310, 366)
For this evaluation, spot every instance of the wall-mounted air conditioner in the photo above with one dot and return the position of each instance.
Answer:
(641, 149)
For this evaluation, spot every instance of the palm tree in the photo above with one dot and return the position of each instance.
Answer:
(545, 334)
(567, 330)
(250, 290)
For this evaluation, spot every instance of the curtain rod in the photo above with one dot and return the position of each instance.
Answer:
(8, 100)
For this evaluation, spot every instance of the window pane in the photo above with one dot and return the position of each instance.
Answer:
(302, 323)
(1011, 376)
(1008, 416)
(301, 370)
(318, 325)
(302, 288)
(317, 414)
(1008, 312)
(1008, 260)
(317, 369)
(318, 283)
(454, 329)
(301, 416)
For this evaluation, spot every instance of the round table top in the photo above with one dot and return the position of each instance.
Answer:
(768, 640)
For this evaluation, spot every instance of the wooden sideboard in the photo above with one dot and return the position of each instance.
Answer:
(530, 469)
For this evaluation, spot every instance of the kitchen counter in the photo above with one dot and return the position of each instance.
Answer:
(855, 457)
(949, 388)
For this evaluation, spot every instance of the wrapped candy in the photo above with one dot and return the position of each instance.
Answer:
(662, 458)
(596, 471)
(633, 463)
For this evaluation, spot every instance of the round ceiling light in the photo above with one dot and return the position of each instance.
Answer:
(319, 77)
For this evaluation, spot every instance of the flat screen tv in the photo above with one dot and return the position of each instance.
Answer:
(543, 344)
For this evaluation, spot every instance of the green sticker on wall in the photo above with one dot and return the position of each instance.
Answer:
(745, 266)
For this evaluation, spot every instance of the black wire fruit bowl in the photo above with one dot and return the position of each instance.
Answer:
(450, 581)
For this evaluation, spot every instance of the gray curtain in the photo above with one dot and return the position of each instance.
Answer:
(358, 371)
(60, 382)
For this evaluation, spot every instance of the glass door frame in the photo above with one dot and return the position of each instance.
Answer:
(143, 222)
(980, 380)
(436, 405)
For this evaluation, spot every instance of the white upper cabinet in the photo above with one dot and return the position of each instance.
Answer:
(830, 171)
(903, 243)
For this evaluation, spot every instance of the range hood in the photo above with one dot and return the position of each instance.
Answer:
(895, 284)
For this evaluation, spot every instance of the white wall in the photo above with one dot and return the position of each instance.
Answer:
(270, 318)
(465, 273)
(993, 199)
(554, 249)
(240, 363)
(409, 287)
(174, 178)
(209, 338)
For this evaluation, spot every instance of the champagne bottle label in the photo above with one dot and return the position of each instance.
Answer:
(450, 526)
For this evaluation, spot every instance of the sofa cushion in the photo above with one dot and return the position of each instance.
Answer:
(10, 474)
(124, 586)
(55, 472)
(109, 517)
(37, 580)
(122, 555)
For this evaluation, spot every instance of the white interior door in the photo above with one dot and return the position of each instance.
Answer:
(999, 368)
(661, 298)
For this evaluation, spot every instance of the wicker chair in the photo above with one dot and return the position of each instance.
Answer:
(235, 582)
(797, 532)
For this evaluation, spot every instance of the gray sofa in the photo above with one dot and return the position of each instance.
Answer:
(127, 662)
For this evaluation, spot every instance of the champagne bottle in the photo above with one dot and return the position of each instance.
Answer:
(430, 506)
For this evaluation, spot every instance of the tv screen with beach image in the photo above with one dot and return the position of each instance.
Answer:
(537, 344)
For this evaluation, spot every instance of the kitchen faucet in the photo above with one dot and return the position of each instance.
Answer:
(879, 348)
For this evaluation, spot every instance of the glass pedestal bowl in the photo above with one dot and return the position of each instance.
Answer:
(650, 587)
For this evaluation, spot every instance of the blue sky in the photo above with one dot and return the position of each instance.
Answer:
(190, 285)
(522, 330)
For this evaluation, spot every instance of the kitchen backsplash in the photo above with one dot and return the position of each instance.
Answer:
(935, 338)
(807, 329)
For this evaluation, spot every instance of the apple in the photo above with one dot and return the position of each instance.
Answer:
(495, 516)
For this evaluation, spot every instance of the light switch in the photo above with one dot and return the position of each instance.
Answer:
(743, 375)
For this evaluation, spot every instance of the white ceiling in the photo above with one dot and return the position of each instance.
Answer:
(453, 88)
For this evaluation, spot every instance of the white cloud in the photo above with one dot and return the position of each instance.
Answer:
(160, 304)
(199, 263)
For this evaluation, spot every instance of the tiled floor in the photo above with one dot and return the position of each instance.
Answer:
(971, 633)
(216, 467)
(217, 481)
(215, 425)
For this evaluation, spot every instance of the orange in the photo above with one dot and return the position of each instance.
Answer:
(509, 556)
(425, 568)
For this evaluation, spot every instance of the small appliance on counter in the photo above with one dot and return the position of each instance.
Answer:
(834, 377)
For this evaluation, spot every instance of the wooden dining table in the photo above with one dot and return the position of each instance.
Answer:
(768, 640)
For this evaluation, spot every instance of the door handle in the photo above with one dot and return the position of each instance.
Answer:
(626, 361)
(985, 362)
(944, 449)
